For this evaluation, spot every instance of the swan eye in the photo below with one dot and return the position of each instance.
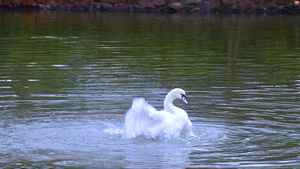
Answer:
(183, 96)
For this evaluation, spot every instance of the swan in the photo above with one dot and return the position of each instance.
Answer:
(172, 122)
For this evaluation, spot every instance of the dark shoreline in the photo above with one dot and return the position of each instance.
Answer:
(158, 6)
(167, 10)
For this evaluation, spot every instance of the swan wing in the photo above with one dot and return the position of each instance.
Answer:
(143, 119)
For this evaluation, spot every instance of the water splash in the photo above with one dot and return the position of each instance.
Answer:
(113, 130)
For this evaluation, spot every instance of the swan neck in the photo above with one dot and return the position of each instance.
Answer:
(168, 102)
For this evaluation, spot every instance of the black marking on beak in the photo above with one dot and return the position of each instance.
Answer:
(183, 97)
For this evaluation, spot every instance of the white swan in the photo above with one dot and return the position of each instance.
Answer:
(172, 122)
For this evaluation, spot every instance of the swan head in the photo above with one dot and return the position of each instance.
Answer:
(180, 94)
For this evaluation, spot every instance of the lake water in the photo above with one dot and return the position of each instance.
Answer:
(67, 79)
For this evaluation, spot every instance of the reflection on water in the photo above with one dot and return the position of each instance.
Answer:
(66, 79)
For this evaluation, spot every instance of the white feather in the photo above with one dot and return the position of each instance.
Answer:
(172, 122)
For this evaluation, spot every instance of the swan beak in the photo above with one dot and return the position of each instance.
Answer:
(183, 97)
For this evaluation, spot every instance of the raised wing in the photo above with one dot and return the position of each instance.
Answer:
(143, 119)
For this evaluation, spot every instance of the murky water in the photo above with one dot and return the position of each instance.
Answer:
(66, 79)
